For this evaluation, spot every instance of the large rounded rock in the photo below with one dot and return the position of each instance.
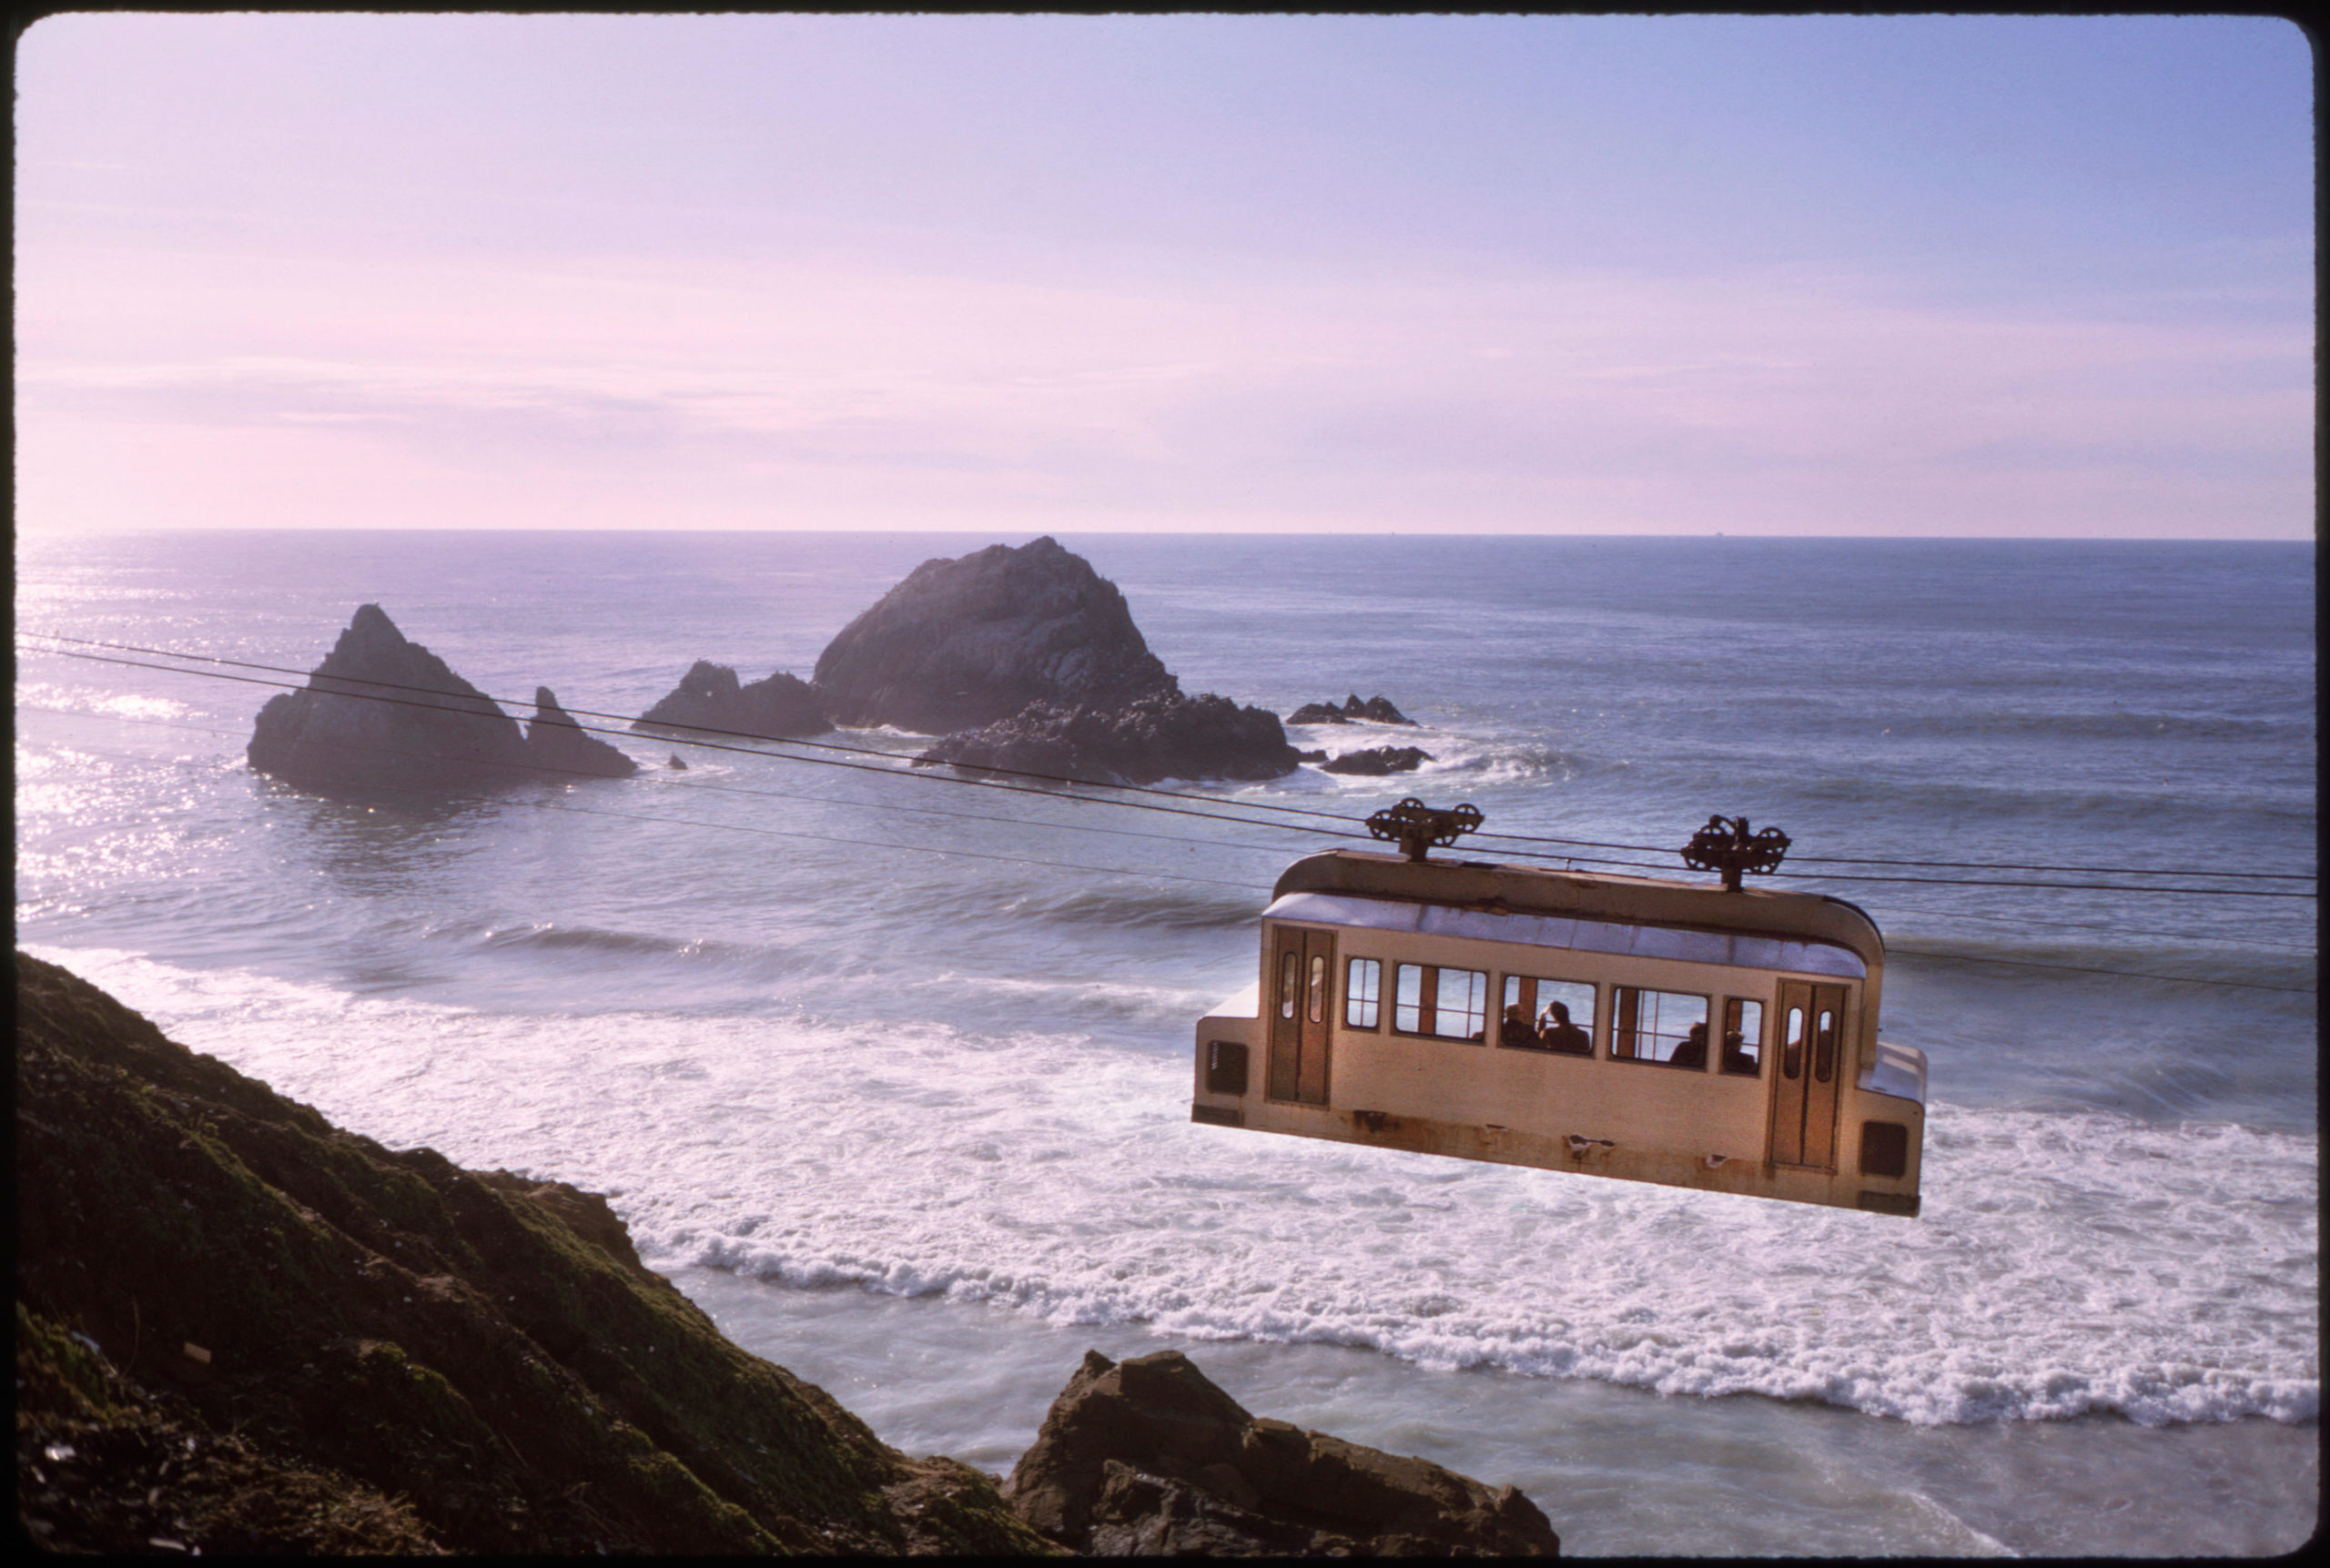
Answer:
(964, 642)
(1157, 737)
(383, 715)
(1147, 1456)
(710, 699)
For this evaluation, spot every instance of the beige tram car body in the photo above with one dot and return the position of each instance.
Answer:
(1828, 1115)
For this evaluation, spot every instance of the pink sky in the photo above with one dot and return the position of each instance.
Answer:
(347, 271)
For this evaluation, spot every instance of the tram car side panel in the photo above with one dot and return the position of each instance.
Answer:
(1397, 1024)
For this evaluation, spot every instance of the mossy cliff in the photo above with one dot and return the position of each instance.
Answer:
(242, 1328)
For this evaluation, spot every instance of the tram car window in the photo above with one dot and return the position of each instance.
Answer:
(1552, 1015)
(1664, 1027)
(1743, 1037)
(1448, 1004)
(1363, 993)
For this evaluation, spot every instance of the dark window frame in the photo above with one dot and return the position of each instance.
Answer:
(1623, 1018)
(1352, 999)
(1428, 1003)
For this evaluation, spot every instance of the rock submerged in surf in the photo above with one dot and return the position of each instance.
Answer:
(1377, 761)
(1148, 1457)
(710, 699)
(964, 642)
(384, 715)
(1377, 710)
(1157, 737)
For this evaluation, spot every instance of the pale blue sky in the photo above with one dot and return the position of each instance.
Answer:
(1824, 275)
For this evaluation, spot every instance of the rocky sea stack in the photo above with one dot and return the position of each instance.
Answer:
(964, 642)
(384, 714)
(384, 717)
(709, 698)
(1027, 660)
(559, 745)
(1147, 1458)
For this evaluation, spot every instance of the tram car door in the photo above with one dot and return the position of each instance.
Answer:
(1303, 969)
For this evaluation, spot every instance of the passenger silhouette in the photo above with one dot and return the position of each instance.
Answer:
(1692, 1051)
(1515, 1031)
(1560, 1035)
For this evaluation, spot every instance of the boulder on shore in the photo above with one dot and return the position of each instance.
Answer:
(384, 715)
(561, 748)
(1377, 708)
(242, 1330)
(967, 641)
(1149, 1457)
(1377, 761)
(709, 698)
(1163, 736)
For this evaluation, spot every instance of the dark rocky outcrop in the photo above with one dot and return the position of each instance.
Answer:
(383, 715)
(1149, 1457)
(1156, 737)
(1376, 761)
(709, 698)
(1377, 708)
(561, 749)
(240, 1329)
(964, 642)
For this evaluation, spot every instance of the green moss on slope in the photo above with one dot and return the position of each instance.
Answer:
(431, 1333)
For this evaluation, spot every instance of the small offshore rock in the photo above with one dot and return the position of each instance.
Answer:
(1147, 1456)
(677, 763)
(1376, 761)
(968, 642)
(559, 747)
(710, 699)
(1158, 737)
(383, 715)
(1376, 710)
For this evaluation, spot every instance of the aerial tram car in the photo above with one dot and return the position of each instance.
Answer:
(1714, 1037)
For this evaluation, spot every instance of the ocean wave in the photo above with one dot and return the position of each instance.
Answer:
(1992, 1308)
(1115, 905)
(2133, 962)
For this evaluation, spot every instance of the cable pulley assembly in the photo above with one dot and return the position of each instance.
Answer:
(1417, 827)
(1724, 844)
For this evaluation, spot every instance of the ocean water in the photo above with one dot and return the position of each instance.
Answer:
(891, 1074)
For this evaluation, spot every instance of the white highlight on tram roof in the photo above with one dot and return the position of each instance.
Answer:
(1580, 935)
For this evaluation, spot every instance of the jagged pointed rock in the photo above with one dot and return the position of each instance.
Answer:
(709, 698)
(561, 749)
(384, 717)
(971, 641)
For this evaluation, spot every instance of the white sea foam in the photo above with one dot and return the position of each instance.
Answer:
(2065, 1263)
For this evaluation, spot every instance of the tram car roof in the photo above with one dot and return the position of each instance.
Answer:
(1496, 889)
